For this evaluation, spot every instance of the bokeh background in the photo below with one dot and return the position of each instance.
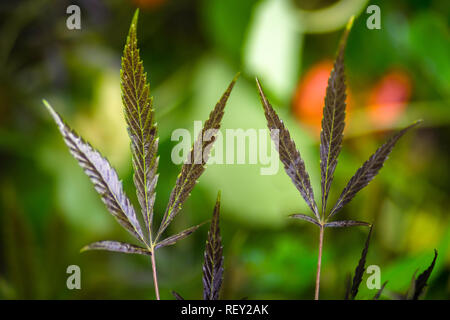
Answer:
(191, 50)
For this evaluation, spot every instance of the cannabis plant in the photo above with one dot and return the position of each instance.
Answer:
(333, 123)
(142, 129)
(213, 264)
(414, 292)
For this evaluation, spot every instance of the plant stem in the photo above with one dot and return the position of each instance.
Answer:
(155, 277)
(319, 262)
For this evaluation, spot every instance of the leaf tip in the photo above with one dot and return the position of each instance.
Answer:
(135, 17)
(350, 23)
(219, 194)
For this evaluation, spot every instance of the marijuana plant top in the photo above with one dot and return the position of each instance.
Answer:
(333, 123)
(142, 129)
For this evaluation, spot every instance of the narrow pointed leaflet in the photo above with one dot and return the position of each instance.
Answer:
(116, 246)
(213, 265)
(368, 170)
(194, 166)
(333, 121)
(421, 281)
(142, 129)
(103, 176)
(289, 155)
(360, 268)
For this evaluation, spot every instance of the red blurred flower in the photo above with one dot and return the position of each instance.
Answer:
(388, 98)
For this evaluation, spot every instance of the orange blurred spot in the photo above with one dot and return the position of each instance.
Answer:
(309, 96)
(388, 98)
(148, 4)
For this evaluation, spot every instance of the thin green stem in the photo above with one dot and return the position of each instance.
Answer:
(319, 262)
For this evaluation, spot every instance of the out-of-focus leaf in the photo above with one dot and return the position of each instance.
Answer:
(142, 129)
(333, 121)
(194, 166)
(346, 223)
(173, 239)
(116, 246)
(348, 284)
(360, 268)
(177, 296)
(102, 175)
(378, 294)
(421, 281)
(273, 47)
(368, 170)
(213, 265)
(289, 155)
(305, 217)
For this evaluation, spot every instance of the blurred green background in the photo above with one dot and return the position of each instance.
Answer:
(191, 50)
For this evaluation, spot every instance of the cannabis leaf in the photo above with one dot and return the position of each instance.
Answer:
(177, 295)
(289, 155)
(305, 218)
(103, 176)
(345, 223)
(116, 246)
(421, 281)
(360, 268)
(333, 121)
(380, 291)
(331, 136)
(142, 129)
(173, 239)
(213, 265)
(194, 166)
(368, 170)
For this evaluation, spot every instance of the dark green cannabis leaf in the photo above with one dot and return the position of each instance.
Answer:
(139, 115)
(140, 119)
(360, 268)
(331, 136)
(421, 281)
(213, 265)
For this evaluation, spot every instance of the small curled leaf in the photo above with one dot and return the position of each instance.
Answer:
(305, 218)
(346, 223)
(116, 246)
(173, 239)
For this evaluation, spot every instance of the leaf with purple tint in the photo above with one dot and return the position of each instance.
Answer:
(103, 176)
(289, 155)
(139, 115)
(213, 265)
(116, 246)
(368, 170)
